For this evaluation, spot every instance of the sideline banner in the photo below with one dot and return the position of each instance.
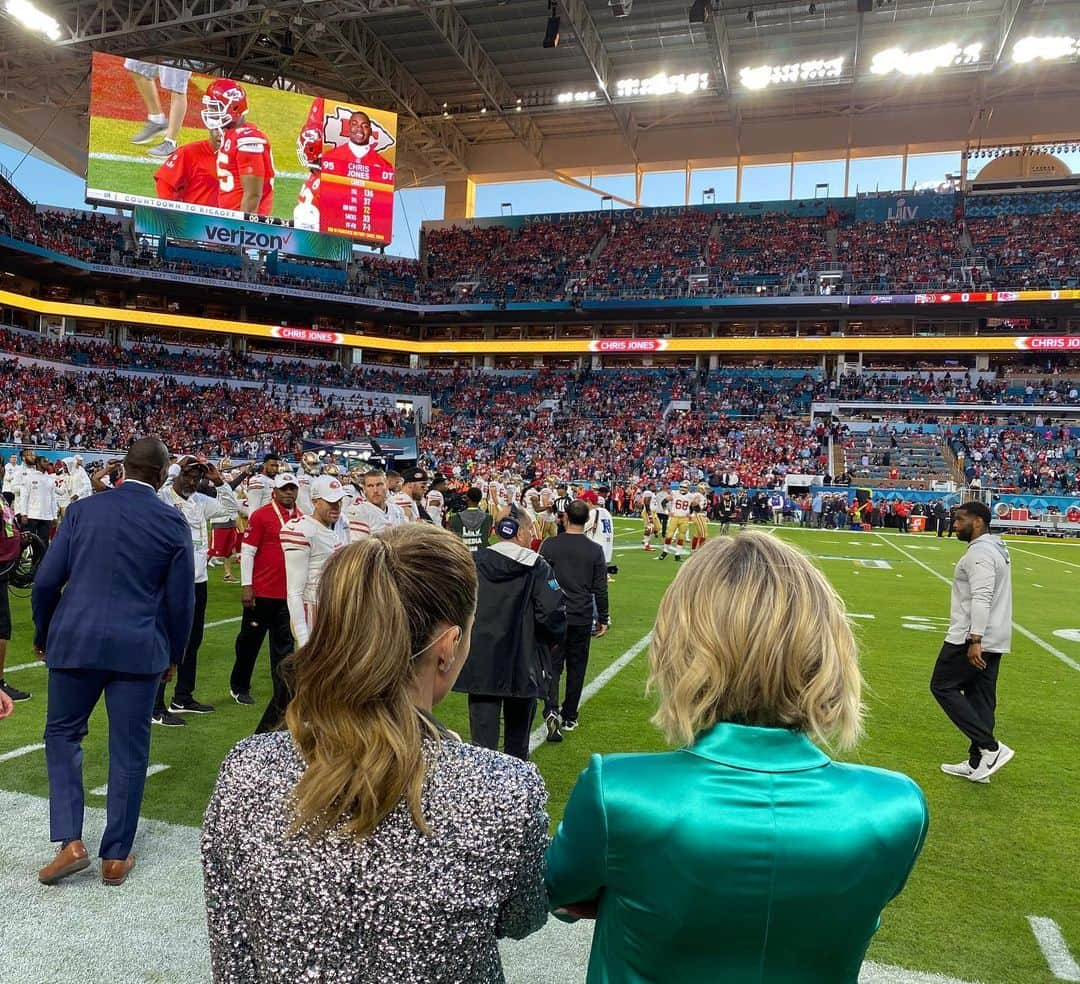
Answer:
(247, 235)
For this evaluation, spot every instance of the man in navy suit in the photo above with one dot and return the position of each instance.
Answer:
(113, 604)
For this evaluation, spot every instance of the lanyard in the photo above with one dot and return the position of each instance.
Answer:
(277, 512)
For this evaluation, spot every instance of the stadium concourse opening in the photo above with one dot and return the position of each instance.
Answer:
(594, 347)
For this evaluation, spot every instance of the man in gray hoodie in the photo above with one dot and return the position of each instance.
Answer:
(980, 631)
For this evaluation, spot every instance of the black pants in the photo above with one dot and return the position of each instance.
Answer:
(967, 695)
(41, 528)
(942, 525)
(517, 717)
(663, 524)
(573, 653)
(269, 616)
(185, 672)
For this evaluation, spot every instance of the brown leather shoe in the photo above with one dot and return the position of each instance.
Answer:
(116, 872)
(68, 861)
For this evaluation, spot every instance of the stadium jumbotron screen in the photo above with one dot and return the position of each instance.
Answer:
(170, 138)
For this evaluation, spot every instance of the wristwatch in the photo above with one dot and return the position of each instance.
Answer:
(975, 638)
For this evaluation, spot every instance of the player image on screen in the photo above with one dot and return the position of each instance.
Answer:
(146, 77)
(190, 173)
(358, 158)
(309, 151)
(245, 164)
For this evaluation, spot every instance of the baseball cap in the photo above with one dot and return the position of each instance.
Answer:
(328, 488)
(415, 475)
(285, 478)
(437, 478)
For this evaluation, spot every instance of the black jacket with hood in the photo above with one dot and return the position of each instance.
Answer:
(520, 613)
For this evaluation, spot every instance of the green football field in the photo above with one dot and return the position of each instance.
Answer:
(997, 855)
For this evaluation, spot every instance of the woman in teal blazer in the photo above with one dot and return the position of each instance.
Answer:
(748, 855)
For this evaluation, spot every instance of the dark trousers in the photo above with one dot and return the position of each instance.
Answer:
(573, 653)
(663, 524)
(942, 525)
(129, 701)
(967, 695)
(41, 528)
(517, 717)
(268, 616)
(185, 672)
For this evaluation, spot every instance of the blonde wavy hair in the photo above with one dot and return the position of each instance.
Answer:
(352, 715)
(751, 632)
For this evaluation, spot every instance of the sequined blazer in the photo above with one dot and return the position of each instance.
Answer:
(395, 908)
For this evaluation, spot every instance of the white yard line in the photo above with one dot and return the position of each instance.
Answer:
(153, 770)
(1031, 553)
(595, 685)
(23, 666)
(19, 752)
(1016, 625)
(223, 621)
(1052, 943)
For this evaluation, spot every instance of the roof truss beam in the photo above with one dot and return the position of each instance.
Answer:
(452, 27)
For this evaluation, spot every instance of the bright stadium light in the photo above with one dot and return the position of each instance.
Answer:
(662, 84)
(33, 19)
(949, 55)
(808, 71)
(575, 97)
(1045, 49)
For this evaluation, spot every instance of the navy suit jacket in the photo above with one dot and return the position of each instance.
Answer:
(116, 590)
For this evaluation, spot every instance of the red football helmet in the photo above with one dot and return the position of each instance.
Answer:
(309, 147)
(224, 104)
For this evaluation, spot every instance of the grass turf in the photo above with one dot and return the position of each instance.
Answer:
(995, 854)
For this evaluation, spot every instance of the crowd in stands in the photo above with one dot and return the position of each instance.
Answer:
(1027, 459)
(656, 253)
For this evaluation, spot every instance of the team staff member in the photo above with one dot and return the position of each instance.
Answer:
(472, 524)
(980, 631)
(662, 506)
(113, 604)
(198, 510)
(581, 572)
(308, 543)
(263, 594)
(520, 612)
(373, 512)
(39, 505)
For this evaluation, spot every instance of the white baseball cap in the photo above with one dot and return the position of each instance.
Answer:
(285, 478)
(327, 487)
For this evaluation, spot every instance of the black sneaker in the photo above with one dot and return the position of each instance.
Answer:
(168, 720)
(663, 554)
(554, 727)
(569, 724)
(14, 693)
(190, 706)
(242, 696)
(678, 558)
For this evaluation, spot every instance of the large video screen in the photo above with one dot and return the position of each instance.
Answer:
(170, 138)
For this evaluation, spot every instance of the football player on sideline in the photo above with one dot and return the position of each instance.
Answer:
(650, 524)
(679, 504)
(374, 512)
(308, 543)
(245, 164)
(310, 467)
(699, 517)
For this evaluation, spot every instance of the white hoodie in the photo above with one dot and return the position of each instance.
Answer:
(982, 595)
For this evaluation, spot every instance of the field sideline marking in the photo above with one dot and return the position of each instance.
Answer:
(152, 770)
(23, 666)
(1054, 948)
(222, 621)
(1031, 553)
(594, 686)
(18, 752)
(1016, 625)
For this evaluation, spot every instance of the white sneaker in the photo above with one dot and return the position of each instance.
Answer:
(992, 761)
(961, 769)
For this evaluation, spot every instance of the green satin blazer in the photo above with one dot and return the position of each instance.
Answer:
(748, 857)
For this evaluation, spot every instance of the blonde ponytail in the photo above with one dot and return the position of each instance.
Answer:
(352, 715)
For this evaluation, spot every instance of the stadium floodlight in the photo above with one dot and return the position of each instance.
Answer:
(927, 61)
(33, 19)
(576, 97)
(662, 84)
(1033, 48)
(814, 70)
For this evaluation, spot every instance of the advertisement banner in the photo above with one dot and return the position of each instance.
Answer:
(249, 235)
(905, 208)
(170, 138)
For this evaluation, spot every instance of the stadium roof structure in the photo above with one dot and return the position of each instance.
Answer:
(479, 96)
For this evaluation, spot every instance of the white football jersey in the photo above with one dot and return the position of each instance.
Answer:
(366, 519)
(601, 529)
(680, 503)
(259, 488)
(435, 504)
(303, 493)
(404, 502)
(307, 545)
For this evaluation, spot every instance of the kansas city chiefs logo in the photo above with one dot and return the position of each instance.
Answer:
(334, 130)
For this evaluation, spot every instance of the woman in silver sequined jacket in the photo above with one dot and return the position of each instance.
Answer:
(366, 844)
